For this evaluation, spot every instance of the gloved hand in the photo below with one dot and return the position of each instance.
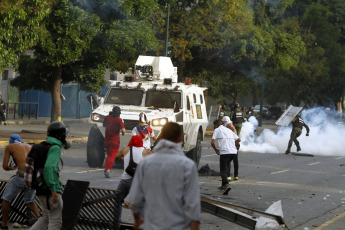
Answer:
(238, 146)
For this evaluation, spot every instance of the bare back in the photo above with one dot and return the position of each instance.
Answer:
(19, 152)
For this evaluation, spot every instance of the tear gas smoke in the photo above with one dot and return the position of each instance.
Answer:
(326, 136)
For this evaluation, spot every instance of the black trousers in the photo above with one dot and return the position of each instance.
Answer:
(2, 115)
(224, 160)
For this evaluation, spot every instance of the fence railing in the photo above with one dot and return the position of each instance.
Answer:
(20, 110)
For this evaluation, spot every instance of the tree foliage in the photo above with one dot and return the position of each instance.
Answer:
(78, 45)
(20, 27)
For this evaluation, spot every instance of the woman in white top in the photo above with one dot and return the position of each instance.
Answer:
(138, 152)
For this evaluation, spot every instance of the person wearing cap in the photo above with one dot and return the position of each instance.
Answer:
(138, 153)
(113, 125)
(226, 141)
(18, 151)
(144, 130)
(228, 123)
(2, 111)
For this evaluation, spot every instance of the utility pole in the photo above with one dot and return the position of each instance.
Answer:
(167, 31)
(261, 103)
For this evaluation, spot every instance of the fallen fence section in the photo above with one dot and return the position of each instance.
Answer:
(84, 208)
(242, 216)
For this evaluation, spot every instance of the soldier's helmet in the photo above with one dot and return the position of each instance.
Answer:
(237, 105)
(57, 129)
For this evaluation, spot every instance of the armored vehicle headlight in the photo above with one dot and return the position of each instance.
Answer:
(97, 117)
(159, 122)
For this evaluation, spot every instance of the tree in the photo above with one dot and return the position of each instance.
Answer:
(20, 27)
(78, 45)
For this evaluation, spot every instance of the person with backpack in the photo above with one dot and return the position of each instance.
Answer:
(134, 152)
(49, 193)
(18, 151)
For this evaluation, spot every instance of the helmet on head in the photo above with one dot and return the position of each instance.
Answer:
(57, 129)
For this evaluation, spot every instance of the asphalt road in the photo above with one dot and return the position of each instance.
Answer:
(311, 189)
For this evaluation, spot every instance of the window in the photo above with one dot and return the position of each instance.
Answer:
(5, 75)
(163, 99)
(124, 96)
(194, 97)
(188, 103)
(201, 101)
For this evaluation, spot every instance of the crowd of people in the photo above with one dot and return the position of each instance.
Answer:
(163, 175)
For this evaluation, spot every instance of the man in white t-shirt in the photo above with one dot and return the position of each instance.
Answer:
(226, 141)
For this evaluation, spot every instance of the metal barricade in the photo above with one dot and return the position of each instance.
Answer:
(21, 110)
(84, 208)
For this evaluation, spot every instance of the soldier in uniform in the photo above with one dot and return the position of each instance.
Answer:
(297, 126)
(252, 113)
(238, 117)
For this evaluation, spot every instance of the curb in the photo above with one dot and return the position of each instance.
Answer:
(45, 121)
(75, 140)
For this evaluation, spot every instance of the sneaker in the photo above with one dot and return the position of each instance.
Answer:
(287, 152)
(229, 179)
(226, 189)
(236, 178)
(298, 148)
(107, 173)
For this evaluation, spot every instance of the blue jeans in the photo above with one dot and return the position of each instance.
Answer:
(14, 187)
(124, 188)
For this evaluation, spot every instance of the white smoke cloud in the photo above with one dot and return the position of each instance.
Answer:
(326, 136)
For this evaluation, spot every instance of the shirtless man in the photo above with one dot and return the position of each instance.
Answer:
(18, 151)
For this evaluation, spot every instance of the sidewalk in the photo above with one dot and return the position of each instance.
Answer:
(36, 136)
(45, 120)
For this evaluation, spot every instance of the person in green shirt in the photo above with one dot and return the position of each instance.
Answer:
(49, 194)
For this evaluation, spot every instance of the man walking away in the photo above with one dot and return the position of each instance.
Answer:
(113, 125)
(227, 141)
(166, 184)
(297, 126)
(18, 151)
(136, 148)
(49, 194)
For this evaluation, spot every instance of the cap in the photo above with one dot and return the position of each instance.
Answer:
(15, 138)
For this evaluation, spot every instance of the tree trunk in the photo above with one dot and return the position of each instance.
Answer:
(55, 93)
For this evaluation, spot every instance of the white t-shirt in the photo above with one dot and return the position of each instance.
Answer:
(225, 139)
(137, 157)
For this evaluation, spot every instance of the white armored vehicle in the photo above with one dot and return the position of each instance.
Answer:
(155, 91)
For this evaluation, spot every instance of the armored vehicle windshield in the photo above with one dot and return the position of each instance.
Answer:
(125, 96)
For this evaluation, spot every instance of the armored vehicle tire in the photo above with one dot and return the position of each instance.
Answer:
(195, 153)
(95, 148)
